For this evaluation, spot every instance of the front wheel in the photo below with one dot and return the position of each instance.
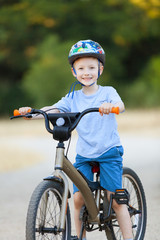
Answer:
(43, 217)
(137, 208)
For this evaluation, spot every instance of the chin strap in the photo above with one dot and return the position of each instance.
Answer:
(77, 82)
(98, 69)
(74, 85)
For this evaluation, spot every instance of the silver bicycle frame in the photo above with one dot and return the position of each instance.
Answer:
(62, 164)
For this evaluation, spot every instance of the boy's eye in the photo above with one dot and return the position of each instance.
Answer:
(92, 67)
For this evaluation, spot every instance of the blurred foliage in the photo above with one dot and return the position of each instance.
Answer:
(49, 76)
(35, 38)
(145, 91)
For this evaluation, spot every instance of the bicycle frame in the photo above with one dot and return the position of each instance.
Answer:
(63, 133)
(95, 202)
(63, 164)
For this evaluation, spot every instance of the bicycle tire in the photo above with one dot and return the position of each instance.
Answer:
(134, 186)
(43, 214)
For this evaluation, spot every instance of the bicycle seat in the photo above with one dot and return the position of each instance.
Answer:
(95, 167)
(92, 185)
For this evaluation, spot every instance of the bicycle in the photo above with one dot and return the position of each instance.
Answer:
(48, 215)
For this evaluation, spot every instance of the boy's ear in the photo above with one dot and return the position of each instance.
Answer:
(73, 72)
(101, 69)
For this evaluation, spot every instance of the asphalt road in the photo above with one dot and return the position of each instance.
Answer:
(141, 153)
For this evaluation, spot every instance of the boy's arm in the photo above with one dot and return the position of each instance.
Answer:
(120, 105)
(48, 109)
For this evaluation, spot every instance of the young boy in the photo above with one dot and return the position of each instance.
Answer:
(98, 139)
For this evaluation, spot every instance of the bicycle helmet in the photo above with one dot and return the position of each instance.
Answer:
(86, 48)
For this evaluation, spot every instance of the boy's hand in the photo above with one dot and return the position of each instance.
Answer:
(24, 110)
(106, 108)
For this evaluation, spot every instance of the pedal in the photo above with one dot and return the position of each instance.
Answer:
(121, 196)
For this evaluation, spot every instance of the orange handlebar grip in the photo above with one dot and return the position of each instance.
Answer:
(99, 110)
(115, 110)
(16, 113)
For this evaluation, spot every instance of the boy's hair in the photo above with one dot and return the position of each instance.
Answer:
(86, 48)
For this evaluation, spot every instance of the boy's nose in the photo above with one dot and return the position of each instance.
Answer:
(86, 73)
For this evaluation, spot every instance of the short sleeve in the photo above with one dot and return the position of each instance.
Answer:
(114, 96)
(64, 104)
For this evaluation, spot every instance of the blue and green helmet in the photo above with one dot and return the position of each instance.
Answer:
(86, 48)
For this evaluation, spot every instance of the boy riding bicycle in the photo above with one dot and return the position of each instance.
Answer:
(98, 139)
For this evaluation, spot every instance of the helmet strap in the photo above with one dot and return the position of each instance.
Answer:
(98, 69)
(74, 85)
(77, 82)
(74, 70)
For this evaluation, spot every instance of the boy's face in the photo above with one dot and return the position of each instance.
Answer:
(87, 70)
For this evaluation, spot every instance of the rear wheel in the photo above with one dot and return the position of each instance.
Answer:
(43, 217)
(137, 208)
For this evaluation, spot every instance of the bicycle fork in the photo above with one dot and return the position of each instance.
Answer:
(62, 164)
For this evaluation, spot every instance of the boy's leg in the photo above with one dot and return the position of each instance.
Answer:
(123, 218)
(78, 203)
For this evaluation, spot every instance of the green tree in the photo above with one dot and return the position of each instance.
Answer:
(128, 31)
(145, 91)
(50, 76)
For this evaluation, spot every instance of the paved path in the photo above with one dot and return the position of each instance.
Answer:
(141, 154)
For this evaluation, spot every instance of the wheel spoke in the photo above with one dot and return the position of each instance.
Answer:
(137, 207)
(45, 208)
(51, 214)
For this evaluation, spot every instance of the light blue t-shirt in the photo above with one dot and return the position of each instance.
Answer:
(96, 134)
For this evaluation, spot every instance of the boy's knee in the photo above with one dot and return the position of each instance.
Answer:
(78, 200)
(118, 207)
(115, 205)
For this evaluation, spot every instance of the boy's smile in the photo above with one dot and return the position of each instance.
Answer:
(86, 70)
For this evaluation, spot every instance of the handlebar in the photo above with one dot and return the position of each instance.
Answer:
(67, 121)
(17, 113)
(89, 110)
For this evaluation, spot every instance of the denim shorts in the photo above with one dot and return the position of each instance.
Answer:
(111, 168)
